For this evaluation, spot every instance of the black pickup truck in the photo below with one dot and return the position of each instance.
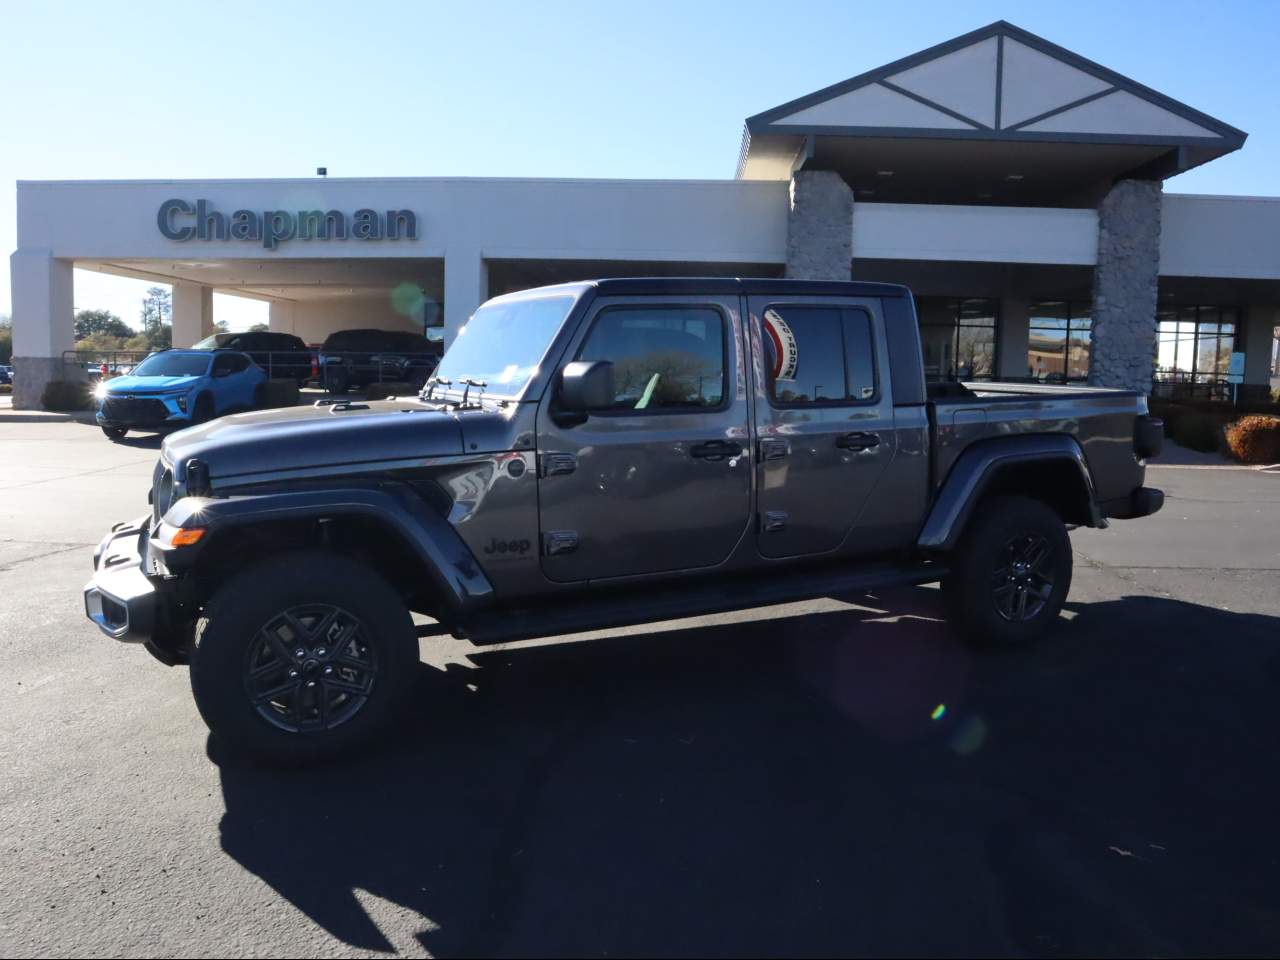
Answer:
(597, 454)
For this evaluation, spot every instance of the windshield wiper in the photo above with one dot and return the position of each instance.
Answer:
(429, 387)
(469, 383)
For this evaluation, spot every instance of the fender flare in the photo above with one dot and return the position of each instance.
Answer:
(974, 471)
(444, 557)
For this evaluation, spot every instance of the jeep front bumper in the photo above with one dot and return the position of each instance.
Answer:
(120, 598)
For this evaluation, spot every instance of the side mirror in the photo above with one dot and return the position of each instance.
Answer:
(584, 386)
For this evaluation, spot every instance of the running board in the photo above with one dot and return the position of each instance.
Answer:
(645, 603)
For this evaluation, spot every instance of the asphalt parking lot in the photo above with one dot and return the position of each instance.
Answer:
(836, 777)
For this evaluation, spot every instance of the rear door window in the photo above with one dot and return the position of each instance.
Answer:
(819, 355)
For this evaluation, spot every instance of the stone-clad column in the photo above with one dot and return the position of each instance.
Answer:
(1124, 286)
(819, 227)
(43, 326)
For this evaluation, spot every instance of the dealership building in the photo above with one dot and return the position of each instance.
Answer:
(1014, 185)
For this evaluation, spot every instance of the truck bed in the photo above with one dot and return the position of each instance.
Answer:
(961, 414)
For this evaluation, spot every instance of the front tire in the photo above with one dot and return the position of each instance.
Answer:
(115, 433)
(203, 411)
(1010, 573)
(302, 657)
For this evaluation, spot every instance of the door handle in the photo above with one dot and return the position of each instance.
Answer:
(858, 441)
(716, 450)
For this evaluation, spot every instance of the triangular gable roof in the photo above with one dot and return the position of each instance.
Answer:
(999, 82)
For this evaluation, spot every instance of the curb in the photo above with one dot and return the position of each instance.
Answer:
(37, 416)
(1258, 468)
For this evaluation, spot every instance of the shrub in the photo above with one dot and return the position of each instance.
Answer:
(1255, 439)
(1198, 431)
(6, 388)
(278, 393)
(65, 396)
(380, 391)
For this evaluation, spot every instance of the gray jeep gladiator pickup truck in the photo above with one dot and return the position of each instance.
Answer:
(597, 454)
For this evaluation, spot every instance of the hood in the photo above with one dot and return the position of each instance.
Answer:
(300, 438)
(131, 384)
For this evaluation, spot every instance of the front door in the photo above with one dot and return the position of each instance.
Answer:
(824, 416)
(660, 480)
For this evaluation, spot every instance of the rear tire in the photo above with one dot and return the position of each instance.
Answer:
(115, 433)
(1010, 573)
(302, 657)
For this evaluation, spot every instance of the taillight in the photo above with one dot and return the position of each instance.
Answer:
(1148, 436)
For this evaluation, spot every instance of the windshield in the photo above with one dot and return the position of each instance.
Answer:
(504, 343)
(172, 365)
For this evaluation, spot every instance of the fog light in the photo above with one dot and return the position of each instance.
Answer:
(182, 404)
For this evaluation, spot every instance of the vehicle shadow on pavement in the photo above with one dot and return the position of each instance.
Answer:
(142, 441)
(838, 783)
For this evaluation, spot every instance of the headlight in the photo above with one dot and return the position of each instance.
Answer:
(100, 391)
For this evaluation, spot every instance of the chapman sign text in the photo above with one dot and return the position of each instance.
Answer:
(182, 220)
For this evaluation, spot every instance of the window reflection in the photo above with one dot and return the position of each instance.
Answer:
(958, 337)
(663, 358)
(1194, 343)
(1059, 340)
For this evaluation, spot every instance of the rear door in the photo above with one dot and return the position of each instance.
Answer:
(824, 418)
(660, 480)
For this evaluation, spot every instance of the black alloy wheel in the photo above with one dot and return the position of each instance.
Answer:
(1022, 581)
(302, 656)
(310, 668)
(1010, 573)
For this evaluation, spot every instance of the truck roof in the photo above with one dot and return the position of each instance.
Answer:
(762, 286)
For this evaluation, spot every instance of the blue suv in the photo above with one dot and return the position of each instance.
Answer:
(176, 388)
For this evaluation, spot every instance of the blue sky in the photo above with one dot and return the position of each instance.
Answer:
(141, 90)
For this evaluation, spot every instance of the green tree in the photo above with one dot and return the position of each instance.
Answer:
(157, 318)
(6, 339)
(259, 328)
(100, 343)
(138, 343)
(89, 322)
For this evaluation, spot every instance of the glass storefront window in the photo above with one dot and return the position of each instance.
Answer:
(1194, 343)
(1059, 340)
(958, 338)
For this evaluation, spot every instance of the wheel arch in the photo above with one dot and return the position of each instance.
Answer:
(407, 542)
(1050, 468)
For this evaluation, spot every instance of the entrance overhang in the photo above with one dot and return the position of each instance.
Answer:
(998, 115)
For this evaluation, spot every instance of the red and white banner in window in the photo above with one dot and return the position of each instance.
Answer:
(785, 353)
